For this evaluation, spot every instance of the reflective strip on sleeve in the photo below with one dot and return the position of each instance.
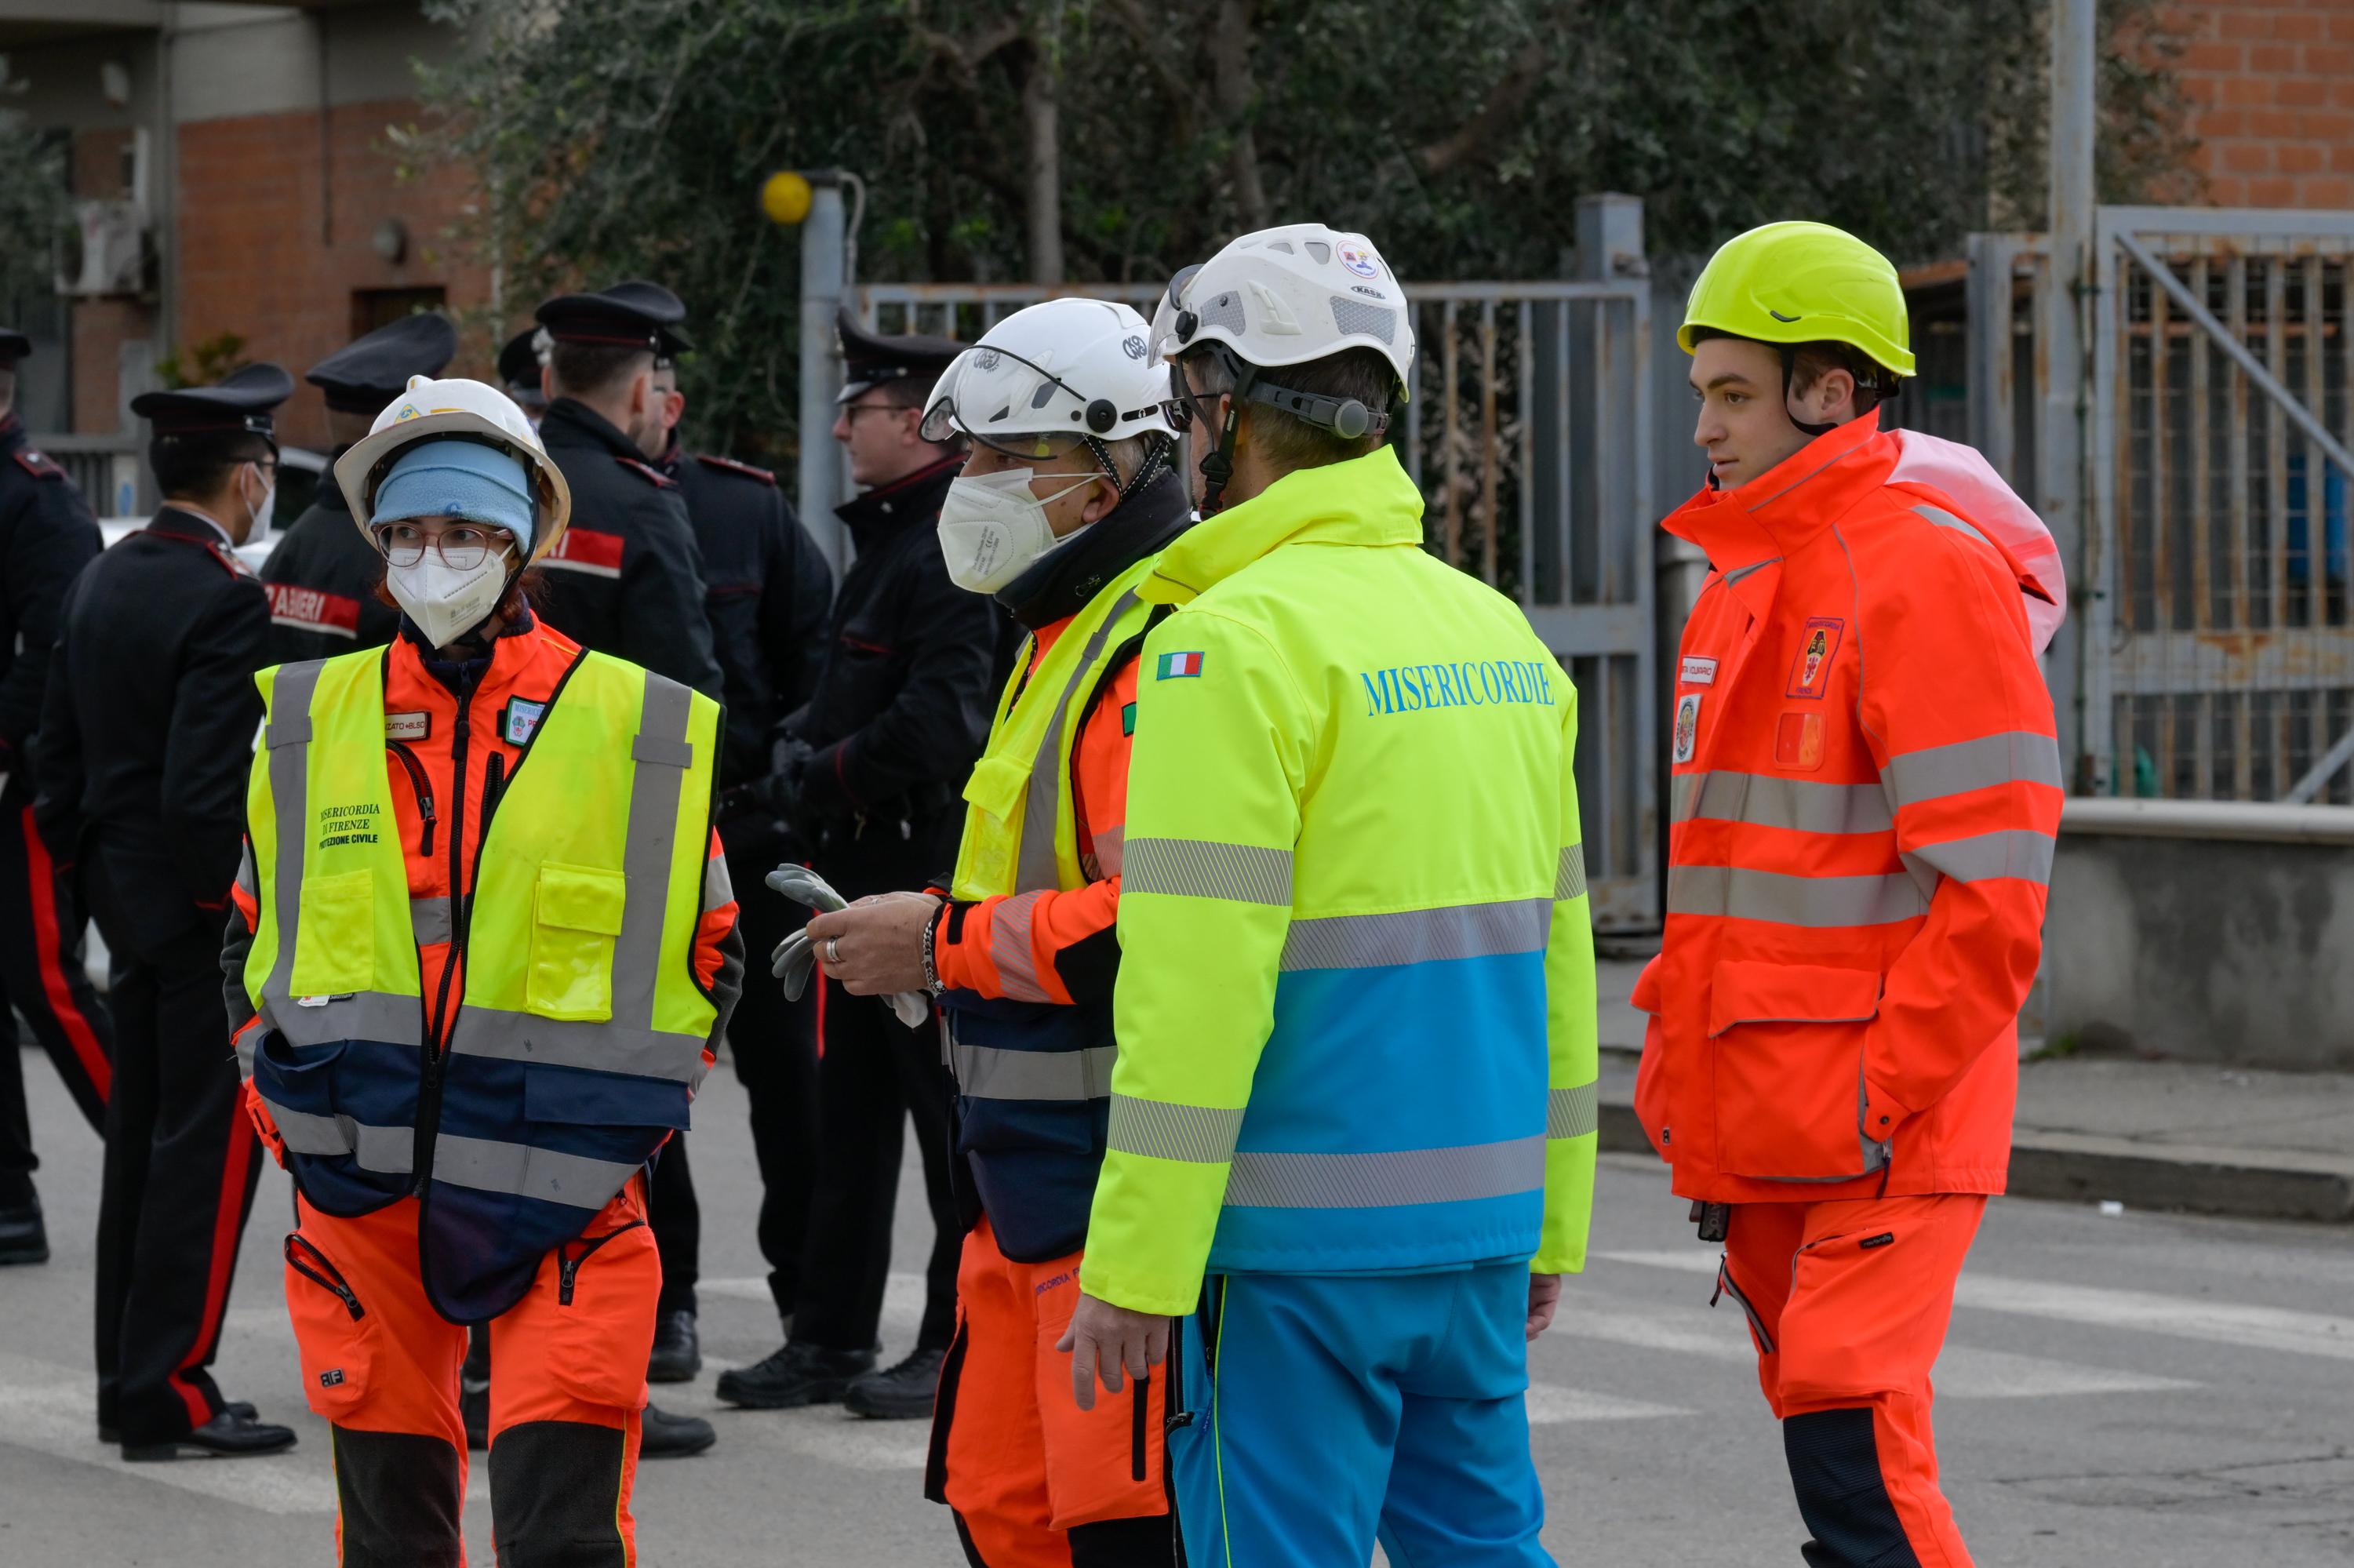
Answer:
(2020, 852)
(1944, 519)
(1268, 1181)
(1042, 803)
(1201, 1135)
(719, 887)
(1202, 868)
(1573, 1113)
(390, 1150)
(489, 1165)
(1009, 949)
(614, 1047)
(428, 920)
(661, 755)
(2016, 756)
(1418, 935)
(1569, 875)
(1813, 901)
(1107, 850)
(1738, 573)
(376, 1016)
(987, 1072)
(1765, 801)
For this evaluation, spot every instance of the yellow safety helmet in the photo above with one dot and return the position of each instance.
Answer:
(1803, 283)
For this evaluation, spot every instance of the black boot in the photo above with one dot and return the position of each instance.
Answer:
(797, 1375)
(903, 1393)
(229, 1435)
(678, 1353)
(23, 1237)
(661, 1435)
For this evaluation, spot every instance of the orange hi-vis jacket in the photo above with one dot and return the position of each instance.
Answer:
(1866, 790)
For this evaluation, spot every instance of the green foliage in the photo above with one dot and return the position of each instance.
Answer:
(32, 199)
(624, 138)
(202, 363)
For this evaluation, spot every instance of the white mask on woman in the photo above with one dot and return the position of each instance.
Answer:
(445, 602)
(992, 529)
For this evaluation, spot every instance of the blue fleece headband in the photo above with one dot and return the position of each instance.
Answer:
(458, 479)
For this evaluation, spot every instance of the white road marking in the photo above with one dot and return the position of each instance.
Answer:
(1550, 1404)
(2220, 1322)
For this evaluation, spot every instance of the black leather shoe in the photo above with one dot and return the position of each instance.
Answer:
(661, 1435)
(678, 1353)
(903, 1393)
(23, 1237)
(797, 1375)
(227, 1435)
(237, 1407)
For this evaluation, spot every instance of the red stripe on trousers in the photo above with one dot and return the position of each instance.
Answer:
(50, 948)
(226, 1218)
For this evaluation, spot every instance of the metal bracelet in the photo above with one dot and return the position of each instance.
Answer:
(932, 983)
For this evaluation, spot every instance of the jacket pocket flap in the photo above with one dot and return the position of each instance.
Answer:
(576, 1098)
(996, 786)
(1748, 991)
(581, 898)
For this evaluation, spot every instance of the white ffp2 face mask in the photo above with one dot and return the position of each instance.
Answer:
(992, 529)
(444, 602)
(262, 515)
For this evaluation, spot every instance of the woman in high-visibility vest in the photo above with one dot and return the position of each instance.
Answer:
(486, 944)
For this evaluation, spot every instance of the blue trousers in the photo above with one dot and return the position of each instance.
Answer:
(1332, 1409)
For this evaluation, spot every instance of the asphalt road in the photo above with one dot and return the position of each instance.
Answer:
(2137, 1391)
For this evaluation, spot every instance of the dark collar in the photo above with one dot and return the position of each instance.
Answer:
(914, 498)
(1062, 585)
(181, 524)
(570, 422)
(12, 432)
(330, 495)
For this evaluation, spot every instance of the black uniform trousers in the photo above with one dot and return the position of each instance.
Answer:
(774, 1045)
(875, 1072)
(41, 977)
(181, 1162)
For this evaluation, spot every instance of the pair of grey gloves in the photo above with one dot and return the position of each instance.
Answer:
(796, 955)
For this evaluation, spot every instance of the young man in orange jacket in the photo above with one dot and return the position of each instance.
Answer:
(1866, 791)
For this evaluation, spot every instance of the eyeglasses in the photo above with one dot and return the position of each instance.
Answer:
(462, 546)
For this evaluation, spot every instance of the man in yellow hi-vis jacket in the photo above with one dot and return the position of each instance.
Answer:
(1352, 1137)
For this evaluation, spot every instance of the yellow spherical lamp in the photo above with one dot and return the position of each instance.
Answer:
(785, 197)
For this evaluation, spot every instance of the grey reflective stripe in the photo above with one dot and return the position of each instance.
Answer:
(1573, 1113)
(719, 887)
(1038, 872)
(1944, 519)
(614, 1047)
(287, 737)
(2017, 756)
(245, 878)
(1203, 868)
(1745, 894)
(661, 756)
(1418, 935)
(986, 1072)
(391, 1150)
(1738, 573)
(1201, 1135)
(1765, 801)
(428, 920)
(1009, 949)
(1569, 875)
(1983, 857)
(487, 1166)
(1109, 844)
(1263, 1181)
(372, 1015)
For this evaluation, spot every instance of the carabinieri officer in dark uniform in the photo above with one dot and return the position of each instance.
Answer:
(626, 578)
(519, 368)
(321, 576)
(147, 731)
(47, 537)
(768, 589)
(874, 770)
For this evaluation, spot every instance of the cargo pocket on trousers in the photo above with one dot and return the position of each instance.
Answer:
(576, 914)
(334, 1332)
(1789, 1070)
(603, 1332)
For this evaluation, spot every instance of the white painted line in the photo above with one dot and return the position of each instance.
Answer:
(1553, 1405)
(1965, 1373)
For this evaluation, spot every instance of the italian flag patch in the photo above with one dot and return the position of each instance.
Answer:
(1173, 665)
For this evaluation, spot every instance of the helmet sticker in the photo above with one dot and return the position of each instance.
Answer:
(408, 411)
(1133, 347)
(1358, 259)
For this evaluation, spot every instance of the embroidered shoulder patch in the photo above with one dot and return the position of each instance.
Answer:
(1687, 726)
(1173, 666)
(519, 720)
(1810, 674)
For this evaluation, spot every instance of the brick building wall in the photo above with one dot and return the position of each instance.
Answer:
(2271, 87)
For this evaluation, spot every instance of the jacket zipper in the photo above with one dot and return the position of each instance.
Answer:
(325, 1275)
(1724, 1287)
(429, 1099)
(424, 788)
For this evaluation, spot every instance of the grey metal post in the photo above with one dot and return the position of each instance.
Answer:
(823, 282)
(2067, 390)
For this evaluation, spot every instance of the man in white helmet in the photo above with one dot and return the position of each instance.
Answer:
(1066, 500)
(1351, 1129)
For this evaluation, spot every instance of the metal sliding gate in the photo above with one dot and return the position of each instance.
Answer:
(2214, 657)
(1528, 430)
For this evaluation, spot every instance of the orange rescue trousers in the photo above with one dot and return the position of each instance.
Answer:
(567, 1385)
(1035, 1481)
(1848, 1302)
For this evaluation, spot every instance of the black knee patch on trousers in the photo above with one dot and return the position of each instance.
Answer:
(555, 1486)
(1149, 1542)
(400, 1494)
(1835, 1469)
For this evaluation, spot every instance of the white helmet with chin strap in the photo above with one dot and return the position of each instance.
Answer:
(1061, 373)
(1288, 296)
(428, 409)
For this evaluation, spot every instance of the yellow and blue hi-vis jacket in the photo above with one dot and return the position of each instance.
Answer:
(1355, 1011)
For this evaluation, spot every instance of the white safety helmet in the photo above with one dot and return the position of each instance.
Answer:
(1069, 367)
(470, 410)
(1290, 295)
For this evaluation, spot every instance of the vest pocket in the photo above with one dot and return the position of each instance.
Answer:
(1789, 1070)
(334, 1331)
(576, 916)
(334, 944)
